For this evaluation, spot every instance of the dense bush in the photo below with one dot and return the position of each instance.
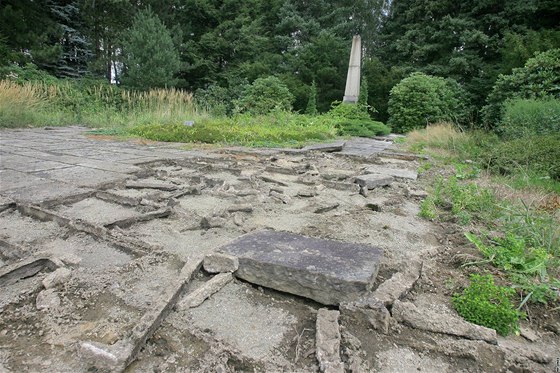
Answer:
(354, 120)
(265, 95)
(525, 117)
(536, 154)
(421, 99)
(486, 304)
(540, 77)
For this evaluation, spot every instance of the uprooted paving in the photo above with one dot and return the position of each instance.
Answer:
(117, 255)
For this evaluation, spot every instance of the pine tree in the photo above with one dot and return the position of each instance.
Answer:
(150, 58)
(312, 101)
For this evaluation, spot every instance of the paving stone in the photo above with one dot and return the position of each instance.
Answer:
(48, 190)
(10, 179)
(328, 341)
(401, 173)
(326, 271)
(433, 321)
(58, 277)
(370, 310)
(372, 181)
(84, 176)
(326, 147)
(399, 284)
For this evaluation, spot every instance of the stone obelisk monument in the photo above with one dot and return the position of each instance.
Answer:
(352, 90)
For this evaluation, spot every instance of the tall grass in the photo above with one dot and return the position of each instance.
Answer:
(91, 104)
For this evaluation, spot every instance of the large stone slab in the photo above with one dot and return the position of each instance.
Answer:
(329, 272)
(372, 181)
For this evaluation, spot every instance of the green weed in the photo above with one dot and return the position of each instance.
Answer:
(487, 304)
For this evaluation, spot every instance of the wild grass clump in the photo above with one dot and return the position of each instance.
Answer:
(530, 117)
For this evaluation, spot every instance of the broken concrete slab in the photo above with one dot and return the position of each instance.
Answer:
(47, 299)
(328, 341)
(117, 357)
(329, 147)
(195, 298)
(152, 184)
(326, 271)
(399, 284)
(399, 173)
(26, 268)
(372, 181)
(370, 310)
(326, 208)
(217, 263)
(427, 319)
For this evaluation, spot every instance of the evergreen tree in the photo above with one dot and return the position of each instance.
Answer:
(149, 55)
(312, 101)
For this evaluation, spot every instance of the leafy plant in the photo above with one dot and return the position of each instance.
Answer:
(539, 78)
(264, 96)
(487, 304)
(421, 99)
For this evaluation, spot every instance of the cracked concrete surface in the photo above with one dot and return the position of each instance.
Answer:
(125, 219)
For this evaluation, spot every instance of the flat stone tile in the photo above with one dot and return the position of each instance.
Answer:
(83, 176)
(97, 211)
(329, 272)
(10, 179)
(48, 190)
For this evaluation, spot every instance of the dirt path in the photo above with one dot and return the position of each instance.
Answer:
(125, 221)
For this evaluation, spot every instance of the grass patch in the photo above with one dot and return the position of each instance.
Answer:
(276, 129)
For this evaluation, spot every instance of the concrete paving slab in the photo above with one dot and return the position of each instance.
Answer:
(326, 271)
(84, 176)
(97, 211)
(10, 179)
(49, 190)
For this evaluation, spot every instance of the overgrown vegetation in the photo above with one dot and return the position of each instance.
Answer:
(520, 242)
(487, 304)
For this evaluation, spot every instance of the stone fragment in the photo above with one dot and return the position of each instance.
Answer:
(430, 320)
(280, 197)
(326, 208)
(328, 341)
(326, 147)
(273, 181)
(399, 284)
(341, 185)
(372, 181)
(238, 220)
(241, 208)
(134, 184)
(212, 222)
(47, 299)
(307, 193)
(210, 287)
(369, 310)
(376, 204)
(528, 334)
(58, 277)
(218, 262)
(326, 271)
(399, 173)
(416, 193)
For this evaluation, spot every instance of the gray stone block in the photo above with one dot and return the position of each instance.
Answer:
(369, 310)
(328, 341)
(217, 262)
(326, 271)
(371, 181)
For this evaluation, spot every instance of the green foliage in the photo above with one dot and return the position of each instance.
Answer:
(487, 304)
(214, 99)
(354, 120)
(275, 129)
(518, 47)
(364, 93)
(512, 254)
(527, 117)
(461, 201)
(264, 96)
(149, 55)
(311, 108)
(421, 99)
(539, 78)
(538, 154)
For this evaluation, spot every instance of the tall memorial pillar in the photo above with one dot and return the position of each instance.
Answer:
(352, 91)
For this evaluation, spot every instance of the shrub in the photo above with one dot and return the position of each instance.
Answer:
(311, 108)
(421, 99)
(354, 120)
(540, 77)
(265, 95)
(486, 304)
(535, 154)
(524, 117)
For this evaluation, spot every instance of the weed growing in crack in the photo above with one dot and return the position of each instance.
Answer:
(487, 304)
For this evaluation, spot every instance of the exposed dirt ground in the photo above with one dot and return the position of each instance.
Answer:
(125, 247)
